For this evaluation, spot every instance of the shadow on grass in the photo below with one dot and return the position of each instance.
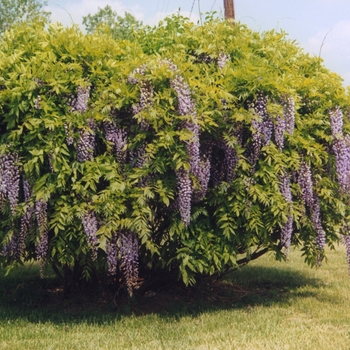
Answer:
(23, 295)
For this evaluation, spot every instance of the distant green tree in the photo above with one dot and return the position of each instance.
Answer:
(120, 27)
(14, 11)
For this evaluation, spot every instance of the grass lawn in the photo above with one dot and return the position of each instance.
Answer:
(265, 305)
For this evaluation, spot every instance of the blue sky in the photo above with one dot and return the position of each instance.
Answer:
(319, 26)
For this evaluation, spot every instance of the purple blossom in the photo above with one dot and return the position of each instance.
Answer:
(146, 96)
(203, 176)
(69, 134)
(90, 226)
(129, 252)
(112, 255)
(82, 99)
(169, 63)
(223, 59)
(118, 137)
(289, 113)
(185, 103)
(184, 186)
(41, 218)
(305, 183)
(342, 158)
(279, 129)
(320, 239)
(266, 130)
(260, 109)
(137, 71)
(336, 117)
(287, 228)
(86, 143)
(9, 179)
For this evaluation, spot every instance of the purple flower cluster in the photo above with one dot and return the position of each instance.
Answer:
(167, 62)
(41, 218)
(184, 186)
(229, 163)
(341, 149)
(26, 220)
(223, 59)
(259, 132)
(9, 179)
(86, 142)
(342, 160)
(69, 134)
(186, 107)
(112, 255)
(137, 71)
(16, 246)
(118, 137)
(129, 252)
(312, 201)
(305, 183)
(317, 224)
(90, 226)
(80, 103)
(203, 175)
(336, 117)
(279, 130)
(185, 103)
(146, 96)
(287, 229)
(289, 113)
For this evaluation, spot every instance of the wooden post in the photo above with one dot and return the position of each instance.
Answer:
(229, 9)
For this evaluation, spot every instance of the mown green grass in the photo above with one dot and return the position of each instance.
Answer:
(265, 305)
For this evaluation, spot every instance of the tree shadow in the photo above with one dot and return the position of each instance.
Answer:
(26, 296)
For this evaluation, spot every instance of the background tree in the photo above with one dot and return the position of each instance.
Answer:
(120, 27)
(14, 11)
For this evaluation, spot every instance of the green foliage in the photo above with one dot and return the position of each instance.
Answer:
(42, 69)
(15, 11)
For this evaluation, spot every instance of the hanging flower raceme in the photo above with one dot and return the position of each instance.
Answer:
(184, 187)
(342, 157)
(41, 218)
(336, 118)
(80, 103)
(320, 239)
(186, 107)
(112, 254)
(9, 179)
(289, 113)
(129, 252)
(118, 138)
(26, 220)
(222, 60)
(90, 226)
(340, 148)
(312, 202)
(86, 143)
(260, 108)
(279, 130)
(287, 228)
(305, 183)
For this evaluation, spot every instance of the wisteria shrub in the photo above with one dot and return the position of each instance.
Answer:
(192, 149)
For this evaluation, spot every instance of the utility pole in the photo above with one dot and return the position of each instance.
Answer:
(229, 9)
